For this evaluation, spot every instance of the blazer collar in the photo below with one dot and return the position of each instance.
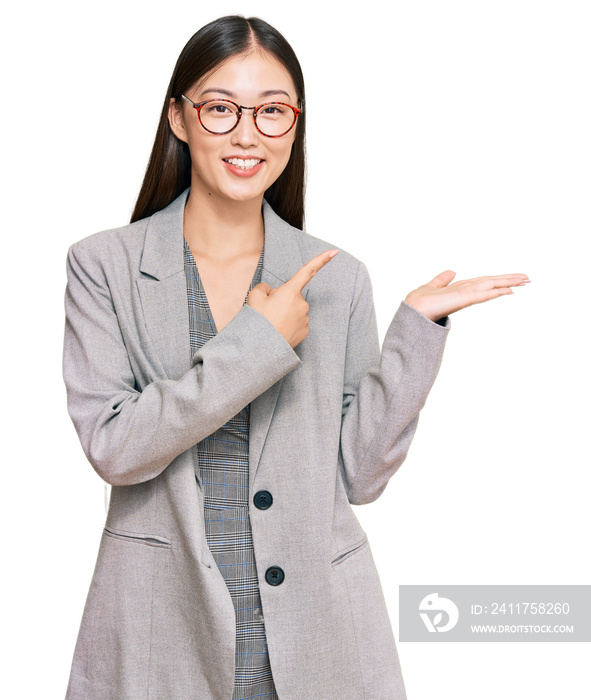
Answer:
(163, 246)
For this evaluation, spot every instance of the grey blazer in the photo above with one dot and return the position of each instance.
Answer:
(330, 422)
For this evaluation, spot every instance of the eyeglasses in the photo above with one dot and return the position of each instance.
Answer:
(272, 119)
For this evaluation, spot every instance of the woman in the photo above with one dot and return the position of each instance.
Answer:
(224, 375)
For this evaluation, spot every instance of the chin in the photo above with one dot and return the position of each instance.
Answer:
(243, 195)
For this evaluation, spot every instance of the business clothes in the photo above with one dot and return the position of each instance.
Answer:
(330, 422)
(223, 470)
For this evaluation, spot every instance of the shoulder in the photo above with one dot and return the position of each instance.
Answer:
(345, 274)
(112, 251)
(112, 242)
(153, 245)
(311, 245)
(344, 271)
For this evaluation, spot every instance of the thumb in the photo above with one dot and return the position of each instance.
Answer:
(260, 289)
(442, 279)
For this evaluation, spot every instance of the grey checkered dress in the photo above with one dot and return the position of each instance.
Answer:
(223, 460)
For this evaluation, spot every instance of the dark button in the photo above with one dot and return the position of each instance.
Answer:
(263, 500)
(274, 576)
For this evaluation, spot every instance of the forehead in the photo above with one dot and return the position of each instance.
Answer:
(250, 76)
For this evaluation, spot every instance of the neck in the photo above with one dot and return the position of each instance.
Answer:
(222, 230)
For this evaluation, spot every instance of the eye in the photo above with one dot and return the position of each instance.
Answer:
(218, 109)
(273, 110)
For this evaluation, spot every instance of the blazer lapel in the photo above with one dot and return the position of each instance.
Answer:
(281, 260)
(163, 293)
(163, 288)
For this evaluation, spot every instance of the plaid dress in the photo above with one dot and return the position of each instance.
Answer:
(223, 464)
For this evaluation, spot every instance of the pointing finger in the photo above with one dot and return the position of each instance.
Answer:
(305, 273)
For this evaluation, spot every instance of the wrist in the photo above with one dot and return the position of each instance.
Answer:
(413, 302)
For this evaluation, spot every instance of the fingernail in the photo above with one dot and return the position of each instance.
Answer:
(333, 253)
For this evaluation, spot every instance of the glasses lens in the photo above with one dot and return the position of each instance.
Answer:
(218, 116)
(275, 119)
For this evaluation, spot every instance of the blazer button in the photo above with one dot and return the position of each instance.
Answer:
(263, 500)
(274, 576)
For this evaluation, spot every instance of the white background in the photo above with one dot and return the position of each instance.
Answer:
(463, 142)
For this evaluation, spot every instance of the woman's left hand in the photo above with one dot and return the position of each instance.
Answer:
(439, 298)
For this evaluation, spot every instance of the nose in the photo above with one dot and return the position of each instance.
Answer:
(245, 134)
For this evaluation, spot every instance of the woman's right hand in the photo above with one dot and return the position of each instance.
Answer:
(284, 306)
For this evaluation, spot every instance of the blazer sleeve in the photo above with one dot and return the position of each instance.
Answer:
(383, 392)
(130, 436)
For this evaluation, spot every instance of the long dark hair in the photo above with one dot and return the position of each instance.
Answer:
(169, 168)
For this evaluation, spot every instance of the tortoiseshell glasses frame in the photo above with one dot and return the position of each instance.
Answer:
(238, 114)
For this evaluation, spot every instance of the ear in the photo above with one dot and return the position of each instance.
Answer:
(176, 120)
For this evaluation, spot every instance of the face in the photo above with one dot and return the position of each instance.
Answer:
(242, 164)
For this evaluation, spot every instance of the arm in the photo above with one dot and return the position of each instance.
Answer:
(383, 395)
(128, 435)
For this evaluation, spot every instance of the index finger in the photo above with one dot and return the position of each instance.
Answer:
(307, 271)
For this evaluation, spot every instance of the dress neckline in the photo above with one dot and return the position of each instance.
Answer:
(190, 261)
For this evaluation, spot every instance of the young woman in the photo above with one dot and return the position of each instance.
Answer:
(224, 375)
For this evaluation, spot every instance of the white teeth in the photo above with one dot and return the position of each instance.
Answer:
(244, 164)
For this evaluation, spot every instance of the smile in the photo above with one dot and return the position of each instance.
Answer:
(243, 164)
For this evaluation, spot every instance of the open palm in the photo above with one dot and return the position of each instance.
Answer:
(439, 297)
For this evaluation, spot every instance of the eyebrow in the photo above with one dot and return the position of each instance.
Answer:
(229, 93)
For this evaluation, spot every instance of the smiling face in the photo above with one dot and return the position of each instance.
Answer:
(242, 164)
